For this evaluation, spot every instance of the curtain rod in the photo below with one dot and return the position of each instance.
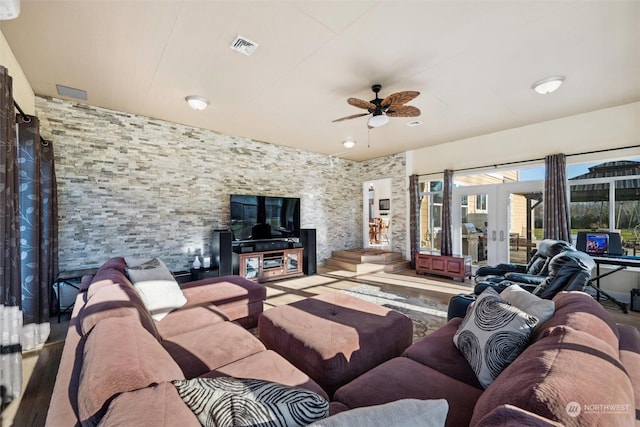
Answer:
(532, 160)
(24, 116)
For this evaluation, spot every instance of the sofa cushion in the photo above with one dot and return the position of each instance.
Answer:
(403, 378)
(509, 415)
(564, 369)
(204, 349)
(438, 351)
(540, 308)
(119, 356)
(187, 319)
(114, 300)
(250, 402)
(492, 335)
(401, 413)
(579, 311)
(159, 405)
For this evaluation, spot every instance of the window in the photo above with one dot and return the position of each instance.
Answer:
(430, 222)
(605, 196)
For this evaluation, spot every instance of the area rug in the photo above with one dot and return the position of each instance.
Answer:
(427, 316)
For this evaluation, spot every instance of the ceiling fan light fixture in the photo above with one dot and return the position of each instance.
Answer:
(349, 143)
(198, 103)
(548, 85)
(378, 120)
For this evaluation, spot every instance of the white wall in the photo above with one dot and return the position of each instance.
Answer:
(22, 92)
(597, 130)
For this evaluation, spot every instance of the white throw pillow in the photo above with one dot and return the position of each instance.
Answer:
(492, 335)
(543, 309)
(160, 296)
(400, 413)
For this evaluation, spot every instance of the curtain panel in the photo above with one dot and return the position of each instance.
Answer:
(556, 206)
(10, 289)
(446, 244)
(414, 215)
(38, 230)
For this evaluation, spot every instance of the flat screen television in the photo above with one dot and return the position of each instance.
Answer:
(597, 243)
(264, 217)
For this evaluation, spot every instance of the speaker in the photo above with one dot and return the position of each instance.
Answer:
(308, 240)
(222, 251)
(635, 300)
(270, 245)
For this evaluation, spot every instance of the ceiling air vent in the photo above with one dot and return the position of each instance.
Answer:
(414, 123)
(71, 92)
(243, 45)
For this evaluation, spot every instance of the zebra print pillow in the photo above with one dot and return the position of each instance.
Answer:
(227, 401)
(492, 335)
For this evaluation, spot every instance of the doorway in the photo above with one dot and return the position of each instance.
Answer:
(499, 222)
(376, 214)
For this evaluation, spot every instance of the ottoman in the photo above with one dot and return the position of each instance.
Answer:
(335, 337)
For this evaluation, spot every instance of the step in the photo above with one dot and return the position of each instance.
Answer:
(349, 265)
(368, 256)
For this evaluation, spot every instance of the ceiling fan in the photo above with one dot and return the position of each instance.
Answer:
(382, 109)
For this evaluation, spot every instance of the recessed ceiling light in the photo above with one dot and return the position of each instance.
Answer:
(414, 123)
(349, 143)
(197, 102)
(548, 85)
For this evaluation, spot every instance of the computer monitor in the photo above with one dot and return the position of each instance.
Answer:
(597, 243)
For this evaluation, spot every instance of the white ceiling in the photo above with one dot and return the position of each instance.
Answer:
(473, 62)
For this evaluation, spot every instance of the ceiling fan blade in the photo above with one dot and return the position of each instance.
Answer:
(354, 116)
(399, 98)
(404, 111)
(361, 104)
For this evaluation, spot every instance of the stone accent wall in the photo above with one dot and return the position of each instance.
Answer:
(134, 186)
(394, 167)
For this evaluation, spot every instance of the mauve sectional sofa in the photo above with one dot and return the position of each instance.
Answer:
(118, 362)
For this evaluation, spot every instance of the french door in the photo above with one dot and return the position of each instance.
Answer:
(498, 222)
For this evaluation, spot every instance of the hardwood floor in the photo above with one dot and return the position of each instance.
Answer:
(40, 367)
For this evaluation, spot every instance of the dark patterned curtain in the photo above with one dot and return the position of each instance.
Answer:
(39, 230)
(10, 291)
(446, 245)
(414, 214)
(556, 206)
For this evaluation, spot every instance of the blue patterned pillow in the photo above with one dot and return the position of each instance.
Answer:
(492, 335)
(228, 401)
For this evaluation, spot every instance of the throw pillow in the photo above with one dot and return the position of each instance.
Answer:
(228, 401)
(160, 297)
(153, 269)
(400, 413)
(492, 335)
(543, 309)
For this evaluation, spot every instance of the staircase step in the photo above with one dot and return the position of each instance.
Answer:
(348, 265)
(370, 256)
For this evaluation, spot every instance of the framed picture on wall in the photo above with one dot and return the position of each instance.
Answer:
(384, 204)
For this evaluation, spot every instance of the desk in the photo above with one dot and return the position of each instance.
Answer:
(71, 278)
(621, 263)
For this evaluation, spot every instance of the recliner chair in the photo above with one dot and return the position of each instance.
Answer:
(533, 273)
(570, 270)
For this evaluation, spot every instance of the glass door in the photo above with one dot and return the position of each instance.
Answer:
(498, 222)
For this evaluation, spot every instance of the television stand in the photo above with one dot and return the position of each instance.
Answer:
(265, 266)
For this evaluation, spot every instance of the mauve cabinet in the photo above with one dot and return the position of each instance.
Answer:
(456, 267)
